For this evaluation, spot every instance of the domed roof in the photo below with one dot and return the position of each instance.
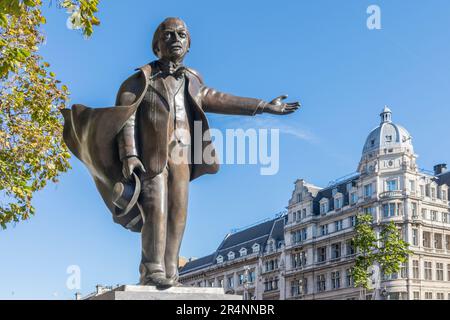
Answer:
(388, 135)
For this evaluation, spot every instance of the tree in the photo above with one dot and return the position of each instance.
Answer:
(388, 250)
(32, 152)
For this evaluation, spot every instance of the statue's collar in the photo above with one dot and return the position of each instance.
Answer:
(168, 67)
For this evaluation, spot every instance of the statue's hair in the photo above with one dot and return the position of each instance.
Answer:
(157, 34)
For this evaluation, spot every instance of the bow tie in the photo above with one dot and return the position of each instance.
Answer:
(175, 71)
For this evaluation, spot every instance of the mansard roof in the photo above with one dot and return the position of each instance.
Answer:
(247, 238)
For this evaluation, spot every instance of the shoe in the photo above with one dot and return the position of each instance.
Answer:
(159, 280)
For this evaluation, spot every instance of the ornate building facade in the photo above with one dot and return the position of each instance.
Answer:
(307, 254)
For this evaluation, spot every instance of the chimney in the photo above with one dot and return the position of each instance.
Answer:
(440, 169)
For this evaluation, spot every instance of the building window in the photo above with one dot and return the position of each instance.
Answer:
(369, 210)
(428, 270)
(241, 278)
(414, 210)
(299, 197)
(438, 241)
(230, 282)
(422, 190)
(416, 295)
(255, 248)
(270, 245)
(447, 242)
(295, 288)
(412, 186)
(251, 276)
(243, 252)
(444, 195)
(321, 283)
(335, 280)
(415, 237)
(303, 213)
(219, 259)
(440, 296)
(424, 214)
(324, 229)
(426, 239)
(321, 254)
(368, 191)
(392, 185)
(444, 217)
(353, 221)
(338, 225)
(305, 285)
(350, 280)
(434, 215)
(230, 255)
(439, 271)
(416, 274)
(433, 193)
(271, 265)
(428, 295)
(404, 270)
(297, 259)
(304, 233)
(350, 248)
(338, 203)
(353, 198)
(448, 272)
(323, 207)
(390, 210)
(335, 251)
(296, 236)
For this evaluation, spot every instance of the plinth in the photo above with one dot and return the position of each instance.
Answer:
(133, 292)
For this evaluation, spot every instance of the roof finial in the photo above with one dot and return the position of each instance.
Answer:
(386, 115)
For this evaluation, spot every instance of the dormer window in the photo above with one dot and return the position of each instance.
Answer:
(338, 202)
(388, 138)
(219, 259)
(271, 245)
(243, 252)
(231, 255)
(255, 248)
(323, 206)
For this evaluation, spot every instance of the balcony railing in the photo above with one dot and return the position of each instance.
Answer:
(391, 194)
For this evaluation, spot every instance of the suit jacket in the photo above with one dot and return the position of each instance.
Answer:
(145, 134)
(102, 137)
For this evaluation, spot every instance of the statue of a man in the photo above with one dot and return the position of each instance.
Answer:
(147, 139)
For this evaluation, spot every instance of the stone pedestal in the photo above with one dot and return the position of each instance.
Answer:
(129, 292)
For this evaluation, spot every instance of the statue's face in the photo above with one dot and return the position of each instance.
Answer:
(173, 41)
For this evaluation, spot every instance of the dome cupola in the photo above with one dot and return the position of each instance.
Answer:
(388, 135)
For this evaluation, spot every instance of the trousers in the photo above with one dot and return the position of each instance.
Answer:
(164, 201)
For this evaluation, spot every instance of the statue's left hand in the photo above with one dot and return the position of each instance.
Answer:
(277, 106)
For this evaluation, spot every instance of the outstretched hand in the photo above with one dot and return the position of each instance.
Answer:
(277, 106)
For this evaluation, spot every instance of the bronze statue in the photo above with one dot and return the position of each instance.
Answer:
(128, 148)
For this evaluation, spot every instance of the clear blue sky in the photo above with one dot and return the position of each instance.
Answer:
(319, 52)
